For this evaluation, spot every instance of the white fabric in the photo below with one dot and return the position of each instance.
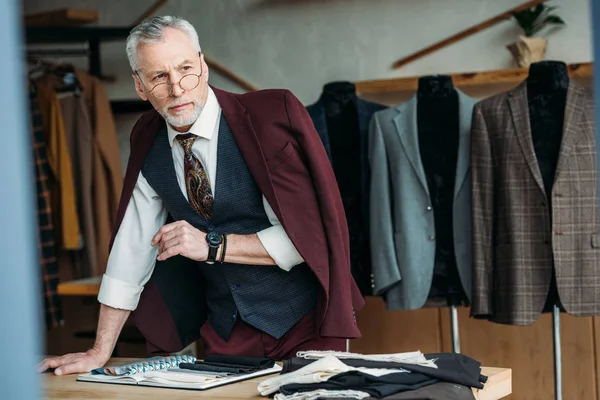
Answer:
(316, 394)
(132, 258)
(315, 372)
(413, 357)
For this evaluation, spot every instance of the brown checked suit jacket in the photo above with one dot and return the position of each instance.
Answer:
(514, 241)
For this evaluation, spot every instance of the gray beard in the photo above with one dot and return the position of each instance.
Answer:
(185, 120)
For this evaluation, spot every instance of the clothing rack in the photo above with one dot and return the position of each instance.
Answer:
(90, 36)
(454, 329)
(557, 353)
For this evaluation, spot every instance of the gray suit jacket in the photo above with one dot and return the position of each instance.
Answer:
(402, 225)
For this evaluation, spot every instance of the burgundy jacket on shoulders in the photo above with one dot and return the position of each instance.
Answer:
(287, 159)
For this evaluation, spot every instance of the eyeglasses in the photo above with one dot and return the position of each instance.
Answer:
(187, 82)
(164, 90)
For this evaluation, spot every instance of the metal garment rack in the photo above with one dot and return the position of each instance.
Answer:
(557, 353)
(454, 329)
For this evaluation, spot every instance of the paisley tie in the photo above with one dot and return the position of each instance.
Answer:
(196, 180)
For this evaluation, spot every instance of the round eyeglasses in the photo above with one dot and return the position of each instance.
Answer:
(187, 82)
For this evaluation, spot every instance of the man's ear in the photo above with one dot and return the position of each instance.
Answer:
(204, 67)
(138, 87)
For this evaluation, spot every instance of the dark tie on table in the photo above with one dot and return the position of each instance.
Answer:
(196, 180)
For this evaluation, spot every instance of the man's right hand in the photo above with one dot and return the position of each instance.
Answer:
(110, 323)
(74, 363)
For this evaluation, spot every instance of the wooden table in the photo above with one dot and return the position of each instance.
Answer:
(499, 385)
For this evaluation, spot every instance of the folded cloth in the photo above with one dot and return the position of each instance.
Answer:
(323, 394)
(239, 361)
(222, 363)
(377, 386)
(437, 391)
(413, 357)
(451, 367)
(318, 371)
(200, 366)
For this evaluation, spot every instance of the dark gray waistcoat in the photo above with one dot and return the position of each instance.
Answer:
(266, 297)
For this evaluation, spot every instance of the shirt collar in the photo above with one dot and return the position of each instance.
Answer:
(205, 124)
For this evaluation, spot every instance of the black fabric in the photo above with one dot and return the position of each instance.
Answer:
(200, 366)
(229, 364)
(452, 368)
(437, 391)
(231, 290)
(547, 86)
(438, 132)
(377, 386)
(243, 361)
(342, 122)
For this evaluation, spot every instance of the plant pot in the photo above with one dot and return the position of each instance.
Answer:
(528, 50)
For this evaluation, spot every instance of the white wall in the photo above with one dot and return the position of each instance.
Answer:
(302, 44)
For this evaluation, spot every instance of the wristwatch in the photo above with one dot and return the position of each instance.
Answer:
(214, 240)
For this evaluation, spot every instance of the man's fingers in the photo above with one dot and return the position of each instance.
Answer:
(55, 362)
(171, 234)
(165, 245)
(170, 252)
(165, 229)
(77, 366)
(44, 365)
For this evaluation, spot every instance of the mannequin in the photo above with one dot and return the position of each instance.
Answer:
(342, 123)
(438, 133)
(547, 86)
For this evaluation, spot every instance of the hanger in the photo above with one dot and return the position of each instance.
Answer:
(65, 72)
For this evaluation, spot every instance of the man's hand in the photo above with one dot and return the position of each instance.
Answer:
(181, 238)
(74, 363)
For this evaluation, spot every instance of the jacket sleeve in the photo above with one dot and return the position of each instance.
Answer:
(343, 298)
(482, 195)
(384, 263)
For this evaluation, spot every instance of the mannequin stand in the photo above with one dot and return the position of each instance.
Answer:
(557, 353)
(454, 328)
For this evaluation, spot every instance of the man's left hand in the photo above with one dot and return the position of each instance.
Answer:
(181, 238)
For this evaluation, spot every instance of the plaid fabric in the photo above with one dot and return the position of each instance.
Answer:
(46, 242)
(515, 243)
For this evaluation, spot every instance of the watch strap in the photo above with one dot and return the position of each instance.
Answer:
(212, 254)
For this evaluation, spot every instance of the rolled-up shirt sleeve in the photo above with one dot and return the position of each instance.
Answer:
(277, 242)
(132, 257)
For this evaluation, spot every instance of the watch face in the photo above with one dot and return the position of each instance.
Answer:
(213, 238)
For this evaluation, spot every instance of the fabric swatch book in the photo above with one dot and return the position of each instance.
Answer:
(183, 372)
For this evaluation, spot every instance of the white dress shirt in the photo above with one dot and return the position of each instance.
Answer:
(132, 258)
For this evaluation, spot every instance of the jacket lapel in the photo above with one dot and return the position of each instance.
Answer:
(519, 109)
(465, 106)
(406, 125)
(573, 111)
(241, 127)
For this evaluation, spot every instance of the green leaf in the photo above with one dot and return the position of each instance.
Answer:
(554, 20)
(539, 9)
(524, 19)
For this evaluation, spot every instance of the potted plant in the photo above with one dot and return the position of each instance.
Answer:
(531, 48)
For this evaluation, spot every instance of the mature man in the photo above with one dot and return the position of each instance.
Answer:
(230, 227)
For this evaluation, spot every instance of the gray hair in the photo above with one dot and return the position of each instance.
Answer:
(151, 30)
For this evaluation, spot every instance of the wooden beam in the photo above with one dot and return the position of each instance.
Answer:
(158, 4)
(62, 17)
(514, 75)
(466, 33)
(227, 73)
